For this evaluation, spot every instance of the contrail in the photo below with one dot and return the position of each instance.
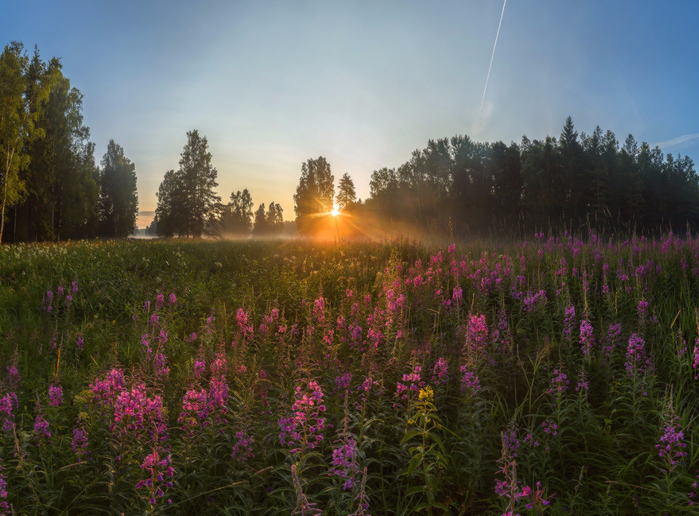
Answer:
(491, 57)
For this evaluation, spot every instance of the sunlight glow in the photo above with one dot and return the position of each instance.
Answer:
(335, 212)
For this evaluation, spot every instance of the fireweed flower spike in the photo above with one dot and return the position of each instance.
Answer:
(345, 462)
(508, 488)
(440, 372)
(671, 445)
(412, 383)
(42, 434)
(195, 409)
(159, 471)
(303, 429)
(469, 381)
(636, 360)
(79, 443)
(362, 499)
(55, 395)
(7, 404)
(559, 382)
(587, 340)
(569, 324)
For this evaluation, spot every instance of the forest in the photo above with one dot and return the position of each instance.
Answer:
(552, 183)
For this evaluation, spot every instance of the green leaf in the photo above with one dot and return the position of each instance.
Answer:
(410, 435)
(432, 483)
(414, 490)
(414, 463)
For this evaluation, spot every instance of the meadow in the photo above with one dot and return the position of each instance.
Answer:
(552, 376)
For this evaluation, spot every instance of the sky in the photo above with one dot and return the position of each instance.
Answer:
(362, 83)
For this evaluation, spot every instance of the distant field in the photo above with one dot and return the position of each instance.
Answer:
(552, 376)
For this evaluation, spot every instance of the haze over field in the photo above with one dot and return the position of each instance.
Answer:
(271, 85)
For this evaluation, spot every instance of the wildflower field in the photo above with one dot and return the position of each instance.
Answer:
(554, 376)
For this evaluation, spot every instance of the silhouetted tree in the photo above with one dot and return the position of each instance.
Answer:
(275, 218)
(118, 201)
(261, 226)
(237, 215)
(555, 182)
(346, 194)
(315, 192)
(170, 210)
(152, 228)
(197, 179)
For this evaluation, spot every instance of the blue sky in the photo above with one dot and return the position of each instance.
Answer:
(362, 83)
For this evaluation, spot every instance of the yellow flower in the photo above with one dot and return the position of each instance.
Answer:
(426, 394)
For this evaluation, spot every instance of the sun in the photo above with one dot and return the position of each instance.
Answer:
(334, 212)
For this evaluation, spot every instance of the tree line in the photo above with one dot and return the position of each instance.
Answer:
(571, 181)
(467, 187)
(188, 205)
(50, 186)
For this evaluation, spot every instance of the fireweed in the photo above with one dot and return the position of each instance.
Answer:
(587, 340)
(465, 312)
(613, 341)
(671, 445)
(159, 471)
(636, 360)
(440, 372)
(7, 405)
(42, 433)
(303, 506)
(303, 429)
(136, 415)
(195, 411)
(469, 381)
(4, 507)
(569, 324)
(79, 443)
(345, 456)
(411, 383)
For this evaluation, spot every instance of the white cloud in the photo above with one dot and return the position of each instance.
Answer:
(677, 141)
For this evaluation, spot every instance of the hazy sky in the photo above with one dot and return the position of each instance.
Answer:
(363, 83)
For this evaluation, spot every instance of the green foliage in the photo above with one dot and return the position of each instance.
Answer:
(25, 88)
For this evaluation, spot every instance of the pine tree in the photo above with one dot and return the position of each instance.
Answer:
(261, 227)
(346, 194)
(197, 177)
